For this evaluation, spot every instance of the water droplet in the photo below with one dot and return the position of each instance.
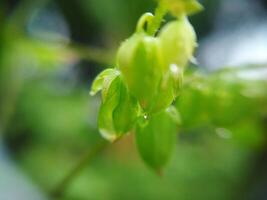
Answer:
(145, 117)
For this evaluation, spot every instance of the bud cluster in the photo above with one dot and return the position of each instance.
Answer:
(138, 92)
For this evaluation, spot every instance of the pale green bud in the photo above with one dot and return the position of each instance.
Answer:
(156, 139)
(178, 42)
(141, 64)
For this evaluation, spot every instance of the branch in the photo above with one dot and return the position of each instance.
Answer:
(92, 54)
(76, 170)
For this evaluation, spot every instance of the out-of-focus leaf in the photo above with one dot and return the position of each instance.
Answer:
(156, 140)
(225, 102)
(116, 17)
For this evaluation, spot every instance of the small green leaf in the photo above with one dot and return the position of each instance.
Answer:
(118, 111)
(125, 114)
(105, 116)
(156, 140)
(98, 83)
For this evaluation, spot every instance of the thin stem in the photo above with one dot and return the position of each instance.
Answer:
(89, 156)
(145, 18)
(160, 12)
(92, 54)
(231, 69)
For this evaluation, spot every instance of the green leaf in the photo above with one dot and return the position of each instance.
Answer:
(105, 116)
(125, 114)
(98, 83)
(118, 111)
(156, 140)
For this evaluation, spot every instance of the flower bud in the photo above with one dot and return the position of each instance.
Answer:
(141, 64)
(156, 139)
(178, 41)
(169, 89)
(164, 96)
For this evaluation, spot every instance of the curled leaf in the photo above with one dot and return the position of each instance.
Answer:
(118, 111)
(125, 114)
(105, 116)
(98, 83)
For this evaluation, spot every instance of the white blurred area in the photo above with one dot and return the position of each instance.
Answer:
(14, 185)
(240, 38)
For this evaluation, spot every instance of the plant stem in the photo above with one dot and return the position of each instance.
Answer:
(160, 12)
(92, 54)
(89, 156)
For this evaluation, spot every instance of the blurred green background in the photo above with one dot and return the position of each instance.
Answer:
(50, 51)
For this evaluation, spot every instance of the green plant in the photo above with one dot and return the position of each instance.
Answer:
(138, 93)
(48, 129)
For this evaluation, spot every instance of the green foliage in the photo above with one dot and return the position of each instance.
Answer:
(221, 119)
(105, 117)
(101, 80)
(118, 111)
(125, 114)
(59, 125)
(225, 104)
(151, 77)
